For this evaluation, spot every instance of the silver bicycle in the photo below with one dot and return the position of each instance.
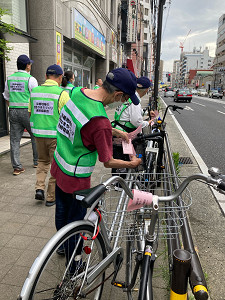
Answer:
(94, 247)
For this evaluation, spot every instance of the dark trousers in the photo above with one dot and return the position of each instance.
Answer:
(68, 210)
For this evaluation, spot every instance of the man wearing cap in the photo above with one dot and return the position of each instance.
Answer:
(128, 117)
(18, 87)
(84, 133)
(46, 103)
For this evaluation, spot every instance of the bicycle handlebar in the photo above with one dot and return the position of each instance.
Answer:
(143, 137)
(216, 180)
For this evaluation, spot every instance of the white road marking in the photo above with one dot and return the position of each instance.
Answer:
(198, 103)
(221, 112)
(188, 108)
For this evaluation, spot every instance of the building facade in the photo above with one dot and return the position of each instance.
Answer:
(192, 61)
(219, 62)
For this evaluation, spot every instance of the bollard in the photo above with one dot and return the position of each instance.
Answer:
(180, 273)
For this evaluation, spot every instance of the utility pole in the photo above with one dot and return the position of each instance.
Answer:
(158, 51)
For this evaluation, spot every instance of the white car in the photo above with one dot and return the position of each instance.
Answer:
(202, 92)
(169, 92)
(194, 92)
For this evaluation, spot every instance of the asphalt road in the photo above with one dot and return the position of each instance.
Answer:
(203, 120)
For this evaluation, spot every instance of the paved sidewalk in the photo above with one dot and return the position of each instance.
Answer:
(27, 224)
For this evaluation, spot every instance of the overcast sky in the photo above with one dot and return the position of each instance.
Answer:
(199, 16)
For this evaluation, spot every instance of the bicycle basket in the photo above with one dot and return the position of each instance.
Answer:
(125, 225)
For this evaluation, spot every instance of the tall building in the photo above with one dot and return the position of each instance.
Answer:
(82, 36)
(194, 60)
(176, 73)
(219, 62)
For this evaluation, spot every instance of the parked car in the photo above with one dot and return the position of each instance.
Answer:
(169, 92)
(183, 94)
(194, 92)
(215, 94)
(202, 92)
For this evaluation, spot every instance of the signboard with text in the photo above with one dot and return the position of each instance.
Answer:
(58, 49)
(131, 22)
(87, 34)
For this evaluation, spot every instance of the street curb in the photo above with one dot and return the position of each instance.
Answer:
(220, 198)
(8, 150)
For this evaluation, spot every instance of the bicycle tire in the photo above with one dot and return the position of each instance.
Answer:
(51, 283)
(132, 292)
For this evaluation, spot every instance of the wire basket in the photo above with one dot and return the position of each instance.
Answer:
(121, 224)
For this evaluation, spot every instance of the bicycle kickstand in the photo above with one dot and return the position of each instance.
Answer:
(119, 261)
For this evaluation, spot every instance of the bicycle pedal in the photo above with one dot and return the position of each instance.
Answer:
(119, 284)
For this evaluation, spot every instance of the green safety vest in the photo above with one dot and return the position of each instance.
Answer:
(44, 110)
(69, 88)
(19, 93)
(71, 155)
(118, 123)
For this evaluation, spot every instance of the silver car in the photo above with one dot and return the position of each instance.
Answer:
(215, 94)
(169, 92)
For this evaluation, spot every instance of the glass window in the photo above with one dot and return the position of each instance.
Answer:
(67, 54)
(86, 75)
(78, 76)
(67, 68)
(18, 13)
(77, 59)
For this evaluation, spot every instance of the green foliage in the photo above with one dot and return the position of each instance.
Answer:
(176, 157)
(4, 27)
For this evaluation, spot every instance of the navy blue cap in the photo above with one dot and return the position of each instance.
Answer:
(125, 81)
(54, 70)
(24, 59)
(143, 82)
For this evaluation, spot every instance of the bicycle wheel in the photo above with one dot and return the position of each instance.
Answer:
(61, 277)
(133, 264)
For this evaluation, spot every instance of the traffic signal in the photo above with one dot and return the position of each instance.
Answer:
(168, 77)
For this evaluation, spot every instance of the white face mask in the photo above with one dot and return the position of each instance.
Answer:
(115, 104)
(139, 98)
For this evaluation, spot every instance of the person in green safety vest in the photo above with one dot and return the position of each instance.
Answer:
(98, 83)
(84, 133)
(67, 82)
(17, 91)
(128, 117)
(46, 103)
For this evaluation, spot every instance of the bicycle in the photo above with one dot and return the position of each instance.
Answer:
(98, 242)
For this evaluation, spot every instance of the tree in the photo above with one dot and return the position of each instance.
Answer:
(4, 27)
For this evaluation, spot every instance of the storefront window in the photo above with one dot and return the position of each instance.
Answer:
(86, 75)
(67, 54)
(77, 76)
(17, 11)
(77, 59)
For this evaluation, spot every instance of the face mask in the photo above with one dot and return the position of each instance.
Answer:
(139, 98)
(115, 104)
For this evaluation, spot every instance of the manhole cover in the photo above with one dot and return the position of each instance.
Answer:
(185, 160)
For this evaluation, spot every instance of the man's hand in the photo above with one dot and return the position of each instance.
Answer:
(134, 161)
(120, 134)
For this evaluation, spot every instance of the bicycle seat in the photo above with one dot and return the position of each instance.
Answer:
(89, 196)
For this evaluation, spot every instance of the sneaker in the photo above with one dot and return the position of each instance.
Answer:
(50, 203)
(35, 165)
(39, 195)
(18, 171)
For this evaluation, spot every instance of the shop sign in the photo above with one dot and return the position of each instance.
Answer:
(58, 48)
(87, 34)
(131, 23)
(114, 55)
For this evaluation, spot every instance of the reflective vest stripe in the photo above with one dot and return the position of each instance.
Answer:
(69, 87)
(77, 113)
(18, 104)
(18, 78)
(71, 168)
(44, 95)
(44, 131)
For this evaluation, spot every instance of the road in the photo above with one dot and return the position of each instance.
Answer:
(203, 120)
